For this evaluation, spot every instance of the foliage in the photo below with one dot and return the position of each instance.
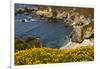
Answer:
(52, 55)
(19, 44)
(30, 42)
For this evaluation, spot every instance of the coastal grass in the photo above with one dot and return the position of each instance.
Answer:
(53, 55)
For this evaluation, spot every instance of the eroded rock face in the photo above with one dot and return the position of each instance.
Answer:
(76, 35)
(82, 35)
(88, 31)
(33, 42)
(45, 13)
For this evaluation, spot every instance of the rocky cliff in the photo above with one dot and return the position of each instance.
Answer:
(30, 42)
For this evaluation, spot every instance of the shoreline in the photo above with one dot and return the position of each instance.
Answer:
(86, 42)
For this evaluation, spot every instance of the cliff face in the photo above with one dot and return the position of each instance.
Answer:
(61, 12)
(33, 42)
(82, 35)
(81, 32)
(23, 44)
(88, 31)
(76, 35)
(83, 29)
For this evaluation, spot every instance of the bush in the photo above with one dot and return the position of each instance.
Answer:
(30, 42)
(19, 44)
(49, 55)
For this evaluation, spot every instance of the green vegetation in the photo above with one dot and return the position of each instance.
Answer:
(31, 42)
(49, 55)
(19, 44)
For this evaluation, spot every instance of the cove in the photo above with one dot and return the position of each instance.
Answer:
(53, 35)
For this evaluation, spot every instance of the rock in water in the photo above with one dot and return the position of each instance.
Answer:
(76, 35)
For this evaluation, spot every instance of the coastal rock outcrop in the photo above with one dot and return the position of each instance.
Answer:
(76, 35)
(88, 31)
(86, 42)
(47, 12)
(33, 42)
(83, 31)
(30, 42)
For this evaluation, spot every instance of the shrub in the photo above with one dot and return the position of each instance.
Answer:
(19, 44)
(30, 42)
(49, 55)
